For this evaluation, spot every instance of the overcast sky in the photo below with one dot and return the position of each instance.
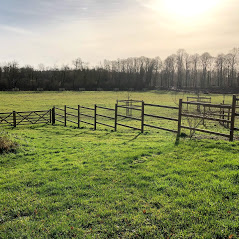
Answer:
(54, 32)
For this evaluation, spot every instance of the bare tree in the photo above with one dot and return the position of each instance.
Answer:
(170, 66)
(157, 68)
(232, 61)
(187, 68)
(12, 70)
(78, 64)
(64, 70)
(205, 60)
(195, 60)
(181, 54)
(220, 65)
(41, 67)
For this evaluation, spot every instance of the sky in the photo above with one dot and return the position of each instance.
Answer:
(55, 32)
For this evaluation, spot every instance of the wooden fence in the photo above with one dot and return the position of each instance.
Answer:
(212, 116)
(93, 116)
(15, 118)
(64, 117)
(182, 114)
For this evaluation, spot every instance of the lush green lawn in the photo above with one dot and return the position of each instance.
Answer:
(66, 182)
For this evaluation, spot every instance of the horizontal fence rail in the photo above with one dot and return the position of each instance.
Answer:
(206, 117)
(157, 127)
(105, 108)
(199, 98)
(206, 131)
(129, 117)
(83, 107)
(208, 104)
(161, 117)
(128, 126)
(129, 100)
(131, 108)
(162, 106)
(68, 107)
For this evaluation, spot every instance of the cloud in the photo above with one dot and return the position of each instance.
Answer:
(58, 31)
(34, 13)
(16, 30)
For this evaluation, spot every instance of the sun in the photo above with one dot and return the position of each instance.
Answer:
(185, 8)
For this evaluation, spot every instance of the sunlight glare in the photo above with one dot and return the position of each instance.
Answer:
(186, 8)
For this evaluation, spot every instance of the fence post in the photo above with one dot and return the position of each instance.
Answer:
(53, 115)
(127, 108)
(78, 116)
(179, 117)
(142, 118)
(95, 118)
(223, 112)
(130, 110)
(50, 115)
(228, 117)
(204, 112)
(116, 109)
(14, 119)
(65, 115)
(233, 117)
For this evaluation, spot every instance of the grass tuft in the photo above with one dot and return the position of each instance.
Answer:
(7, 145)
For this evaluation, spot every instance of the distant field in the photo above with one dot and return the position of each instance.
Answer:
(44, 100)
(65, 182)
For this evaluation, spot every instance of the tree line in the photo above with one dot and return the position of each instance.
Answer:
(177, 72)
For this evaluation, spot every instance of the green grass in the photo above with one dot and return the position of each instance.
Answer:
(43, 100)
(65, 182)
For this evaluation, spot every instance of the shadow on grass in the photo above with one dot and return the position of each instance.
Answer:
(135, 137)
(182, 135)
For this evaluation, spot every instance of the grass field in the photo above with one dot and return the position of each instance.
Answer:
(65, 182)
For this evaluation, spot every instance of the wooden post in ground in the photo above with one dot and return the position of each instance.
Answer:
(233, 117)
(180, 106)
(78, 116)
(50, 115)
(223, 112)
(95, 118)
(220, 114)
(142, 118)
(14, 119)
(53, 115)
(130, 110)
(116, 112)
(228, 117)
(65, 115)
(127, 108)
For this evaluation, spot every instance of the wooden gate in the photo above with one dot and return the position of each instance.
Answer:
(25, 117)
